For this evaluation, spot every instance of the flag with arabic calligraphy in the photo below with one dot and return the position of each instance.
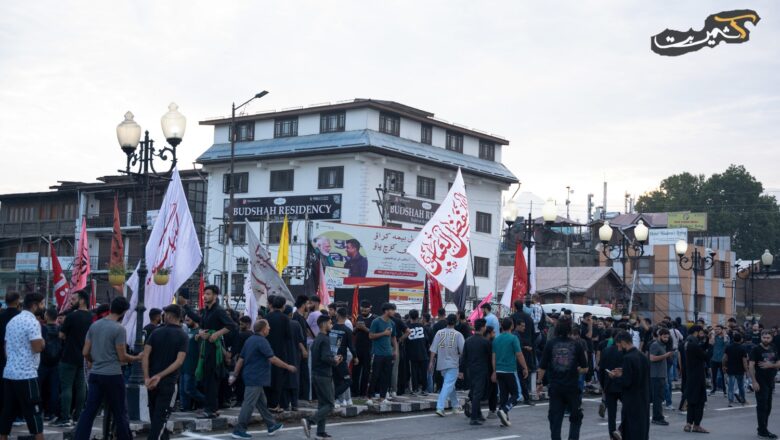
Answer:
(442, 246)
(81, 265)
(173, 245)
(61, 287)
(265, 278)
(250, 308)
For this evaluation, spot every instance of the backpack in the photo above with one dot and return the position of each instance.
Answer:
(53, 350)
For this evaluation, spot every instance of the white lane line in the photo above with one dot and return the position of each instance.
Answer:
(735, 407)
(501, 438)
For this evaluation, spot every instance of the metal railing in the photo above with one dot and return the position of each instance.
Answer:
(107, 220)
(39, 227)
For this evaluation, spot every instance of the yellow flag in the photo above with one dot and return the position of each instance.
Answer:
(284, 248)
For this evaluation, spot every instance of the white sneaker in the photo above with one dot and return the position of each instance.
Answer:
(348, 403)
(336, 405)
(369, 402)
(389, 397)
(457, 411)
(392, 394)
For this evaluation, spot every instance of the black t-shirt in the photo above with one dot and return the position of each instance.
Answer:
(476, 358)
(440, 324)
(167, 342)
(362, 342)
(400, 327)
(761, 354)
(75, 328)
(341, 339)
(417, 343)
(521, 316)
(148, 329)
(560, 360)
(735, 353)
(464, 329)
(279, 333)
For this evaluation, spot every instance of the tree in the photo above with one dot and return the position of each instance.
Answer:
(734, 202)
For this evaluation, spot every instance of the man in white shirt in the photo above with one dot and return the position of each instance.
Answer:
(23, 345)
(445, 355)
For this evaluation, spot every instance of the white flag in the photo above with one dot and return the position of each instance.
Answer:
(442, 246)
(506, 297)
(250, 308)
(266, 281)
(173, 245)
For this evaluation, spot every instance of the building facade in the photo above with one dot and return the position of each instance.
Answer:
(372, 162)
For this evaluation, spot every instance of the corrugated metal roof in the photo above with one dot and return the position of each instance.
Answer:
(357, 140)
(554, 278)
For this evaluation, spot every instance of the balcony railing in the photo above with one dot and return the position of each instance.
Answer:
(38, 227)
(7, 263)
(107, 220)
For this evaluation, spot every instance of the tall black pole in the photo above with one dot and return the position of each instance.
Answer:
(695, 285)
(529, 245)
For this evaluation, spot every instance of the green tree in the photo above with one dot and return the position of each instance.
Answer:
(734, 202)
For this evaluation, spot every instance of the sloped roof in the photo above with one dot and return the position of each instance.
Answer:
(357, 141)
(651, 219)
(553, 279)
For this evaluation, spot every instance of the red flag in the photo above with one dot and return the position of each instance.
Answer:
(322, 289)
(355, 303)
(201, 290)
(61, 287)
(81, 268)
(117, 244)
(435, 294)
(520, 280)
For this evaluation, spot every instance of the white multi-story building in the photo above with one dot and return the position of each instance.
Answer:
(329, 159)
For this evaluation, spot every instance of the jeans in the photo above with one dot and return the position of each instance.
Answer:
(394, 374)
(104, 388)
(560, 401)
(160, 401)
(448, 389)
(188, 391)
(380, 375)
(717, 376)
(657, 385)
(323, 386)
(71, 382)
(764, 405)
(49, 380)
(508, 384)
(254, 397)
(740, 382)
(668, 386)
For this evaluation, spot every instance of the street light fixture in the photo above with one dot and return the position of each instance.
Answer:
(696, 263)
(624, 248)
(142, 154)
(549, 211)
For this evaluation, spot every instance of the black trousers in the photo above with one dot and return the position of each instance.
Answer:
(342, 381)
(160, 400)
(21, 397)
(611, 401)
(381, 370)
(304, 379)
(507, 386)
(479, 388)
(361, 373)
(419, 373)
(695, 413)
(274, 392)
(525, 385)
(657, 389)
(764, 405)
(403, 371)
(560, 401)
(492, 394)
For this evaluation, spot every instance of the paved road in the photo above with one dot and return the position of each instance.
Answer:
(527, 423)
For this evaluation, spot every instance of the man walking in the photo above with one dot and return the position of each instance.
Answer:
(506, 356)
(696, 363)
(633, 377)
(255, 361)
(215, 323)
(73, 332)
(164, 353)
(565, 359)
(361, 371)
(611, 359)
(417, 353)
(278, 337)
(445, 352)
(23, 346)
(322, 363)
(658, 372)
(475, 362)
(383, 347)
(105, 349)
(735, 365)
(6, 315)
(763, 368)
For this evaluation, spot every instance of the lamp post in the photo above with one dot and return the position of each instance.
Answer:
(696, 263)
(231, 182)
(625, 247)
(140, 165)
(751, 273)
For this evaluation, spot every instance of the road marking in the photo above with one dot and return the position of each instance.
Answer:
(735, 407)
(501, 438)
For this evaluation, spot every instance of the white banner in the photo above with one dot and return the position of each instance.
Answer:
(265, 279)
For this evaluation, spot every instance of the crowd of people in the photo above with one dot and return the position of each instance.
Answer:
(64, 367)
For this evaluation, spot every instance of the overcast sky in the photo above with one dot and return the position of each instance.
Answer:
(572, 84)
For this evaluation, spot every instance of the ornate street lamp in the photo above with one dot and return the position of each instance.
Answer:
(140, 165)
(696, 263)
(624, 248)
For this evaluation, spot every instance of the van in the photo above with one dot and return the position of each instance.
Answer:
(578, 310)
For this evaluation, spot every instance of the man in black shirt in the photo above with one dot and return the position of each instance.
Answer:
(634, 379)
(476, 363)
(763, 368)
(278, 337)
(214, 323)
(361, 371)
(341, 343)
(441, 321)
(244, 332)
(322, 362)
(11, 309)
(74, 332)
(565, 359)
(611, 358)
(300, 315)
(155, 318)
(735, 365)
(400, 375)
(417, 353)
(164, 353)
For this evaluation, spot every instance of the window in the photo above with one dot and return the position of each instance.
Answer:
(238, 235)
(720, 305)
(240, 183)
(487, 150)
(332, 122)
(484, 222)
(426, 134)
(426, 187)
(287, 127)
(245, 131)
(237, 285)
(721, 270)
(394, 180)
(331, 177)
(454, 141)
(275, 232)
(282, 180)
(481, 267)
(645, 265)
(390, 124)
(700, 301)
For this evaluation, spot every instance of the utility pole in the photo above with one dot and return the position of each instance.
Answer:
(590, 208)
(49, 242)
(569, 191)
